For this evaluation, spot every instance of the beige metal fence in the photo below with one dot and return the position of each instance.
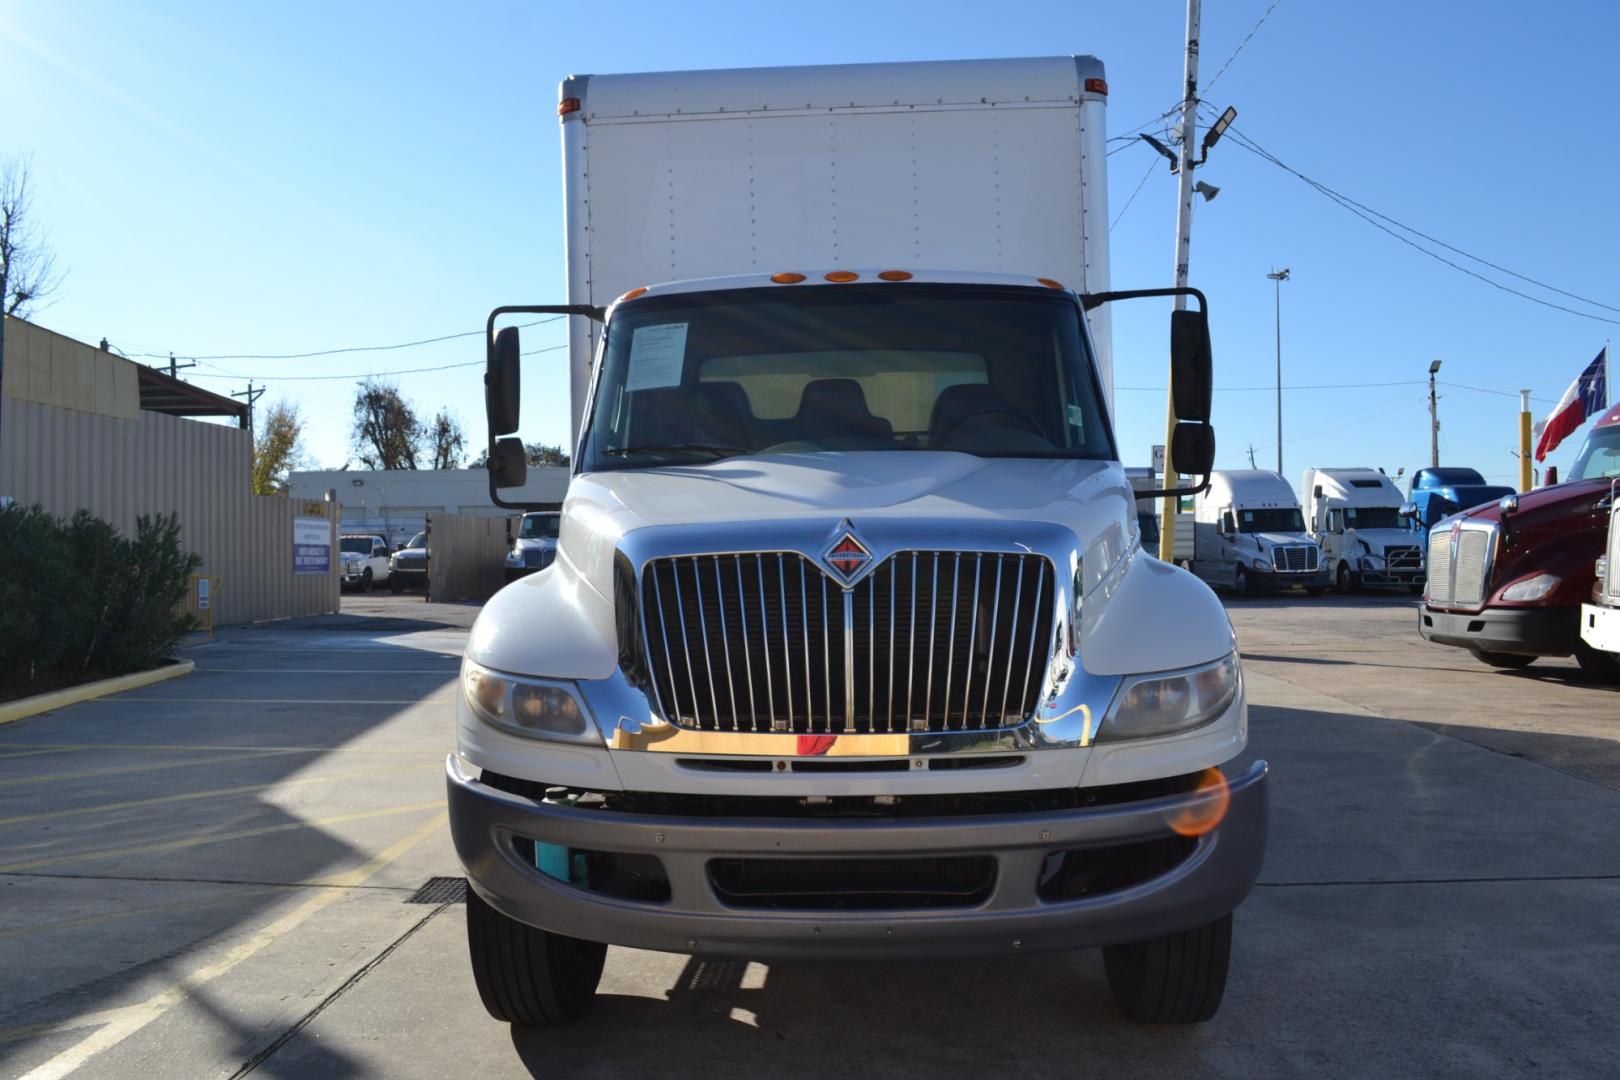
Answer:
(466, 556)
(118, 468)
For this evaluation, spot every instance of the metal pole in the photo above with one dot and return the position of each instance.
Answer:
(1278, 277)
(1189, 121)
(1434, 419)
(1525, 479)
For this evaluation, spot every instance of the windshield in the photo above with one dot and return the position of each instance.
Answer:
(540, 526)
(1374, 517)
(356, 545)
(1599, 454)
(987, 370)
(418, 541)
(1271, 520)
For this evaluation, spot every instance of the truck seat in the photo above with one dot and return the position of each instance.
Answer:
(833, 412)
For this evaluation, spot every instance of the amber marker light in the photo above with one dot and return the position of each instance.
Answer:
(1097, 86)
(633, 293)
(895, 275)
(567, 105)
(841, 276)
(787, 278)
(1049, 283)
(1203, 817)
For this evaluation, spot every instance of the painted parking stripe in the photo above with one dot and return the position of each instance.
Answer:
(120, 1024)
(161, 846)
(178, 747)
(120, 770)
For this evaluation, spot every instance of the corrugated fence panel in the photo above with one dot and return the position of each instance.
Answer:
(466, 556)
(119, 469)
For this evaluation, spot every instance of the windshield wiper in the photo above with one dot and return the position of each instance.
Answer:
(679, 448)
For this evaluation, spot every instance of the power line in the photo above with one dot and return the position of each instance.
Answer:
(374, 374)
(1499, 393)
(1154, 164)
(335, 352)
(1241, 45)
(1129, 135)
(1372, 217)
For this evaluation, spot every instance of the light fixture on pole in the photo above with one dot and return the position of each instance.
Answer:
(1434, 419)
(1279, 276)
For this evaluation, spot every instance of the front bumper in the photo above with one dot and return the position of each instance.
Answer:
(1287, 579)
(1600, 627)
(1374, 575)
(1545, 631)
(1208, 883)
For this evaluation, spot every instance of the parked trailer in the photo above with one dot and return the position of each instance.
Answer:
(848, 592)
(1355, 514)
(1249, 535)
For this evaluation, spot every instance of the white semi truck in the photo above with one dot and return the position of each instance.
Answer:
(1249, 536)
(1355, 514)
(850, 647)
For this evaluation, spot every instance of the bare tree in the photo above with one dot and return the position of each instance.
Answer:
(28, 271)
(278, 449)
(449, 443)
(386, 433)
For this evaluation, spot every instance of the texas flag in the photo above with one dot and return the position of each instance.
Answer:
(1586, 395)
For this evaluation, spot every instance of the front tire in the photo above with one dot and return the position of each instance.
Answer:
(1599, 665)
(365, 580)
(396, 584)
(1174, 979)
(526, 976)
(1241, 582)
(1349, 581)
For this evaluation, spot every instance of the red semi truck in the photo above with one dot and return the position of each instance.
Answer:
(1507, 579)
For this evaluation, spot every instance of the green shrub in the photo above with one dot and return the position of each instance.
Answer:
(78, 600)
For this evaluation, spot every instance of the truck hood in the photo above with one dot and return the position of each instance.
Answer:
(1381, 540)
(824, 488)
(1269, 540)
(1547, 503)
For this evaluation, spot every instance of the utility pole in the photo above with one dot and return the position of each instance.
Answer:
(174, 369)
(1184, 210)
(1251, 455)
(1434, 419)
(252, 396)
(1279, 276)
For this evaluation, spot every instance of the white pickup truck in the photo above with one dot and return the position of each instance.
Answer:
(850, 648)
(364, 560)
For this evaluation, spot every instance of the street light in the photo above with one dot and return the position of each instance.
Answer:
(1279, 276)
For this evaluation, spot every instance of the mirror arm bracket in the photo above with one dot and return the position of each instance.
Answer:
(1168, 493)
(1091, 301)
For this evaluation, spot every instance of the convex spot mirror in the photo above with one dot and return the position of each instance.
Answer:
(508, 467)
(503, 383)
(1192, 448)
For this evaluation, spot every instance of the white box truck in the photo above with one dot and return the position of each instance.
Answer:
(850, 648)
(1355, 514)
(1249, 535)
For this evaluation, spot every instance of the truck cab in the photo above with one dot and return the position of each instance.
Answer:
(850, 648)
(1355, 514)
(1249, 535)
(534, 545)
(1437, 493)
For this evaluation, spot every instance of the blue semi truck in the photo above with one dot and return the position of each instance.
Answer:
(1437, 493)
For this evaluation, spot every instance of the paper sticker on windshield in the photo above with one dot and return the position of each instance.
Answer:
(1077, 418)
(657, 354)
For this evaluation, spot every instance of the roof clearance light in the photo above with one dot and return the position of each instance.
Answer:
(567, 105)
(1049, 283)
(632, 294)
(895, 275)
(841, 276)
(787, 278)
(1097, 86)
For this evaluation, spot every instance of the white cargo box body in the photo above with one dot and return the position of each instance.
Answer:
(981, 165)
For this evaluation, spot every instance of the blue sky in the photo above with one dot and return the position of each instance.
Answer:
(227, 179)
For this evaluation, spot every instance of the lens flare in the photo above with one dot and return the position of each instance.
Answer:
(1203, 816)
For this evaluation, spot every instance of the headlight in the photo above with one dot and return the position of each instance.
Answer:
(1150, 705)
(536, 708)
(1261, 564)
(514, 558)
(1531, 588)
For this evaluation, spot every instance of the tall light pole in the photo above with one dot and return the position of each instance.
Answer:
(1279, 276)
(1434, 419)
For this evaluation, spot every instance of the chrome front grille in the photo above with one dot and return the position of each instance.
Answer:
(928, 641)
(538, 558)
(1611, 586)
(1403, 558)
(1296, 558)
(1459, 566)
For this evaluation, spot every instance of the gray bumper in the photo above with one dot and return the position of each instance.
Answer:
(1209, 883)
(1521, 631)
(1286, 579)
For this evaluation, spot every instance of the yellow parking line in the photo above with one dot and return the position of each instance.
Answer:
(103, 808)
(205, 700)
(56, 747)
(124, 1022)
(135, 913)
(29, 753)
(120, 770)
(215, 838)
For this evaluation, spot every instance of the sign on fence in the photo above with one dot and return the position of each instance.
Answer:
(312, 545)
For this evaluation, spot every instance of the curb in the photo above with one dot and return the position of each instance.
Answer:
(33, 706)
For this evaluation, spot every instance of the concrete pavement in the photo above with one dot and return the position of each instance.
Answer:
(1442, 895)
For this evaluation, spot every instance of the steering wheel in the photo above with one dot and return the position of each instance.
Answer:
(1020, 415)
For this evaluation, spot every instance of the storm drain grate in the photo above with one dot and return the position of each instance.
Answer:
(440, 890)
